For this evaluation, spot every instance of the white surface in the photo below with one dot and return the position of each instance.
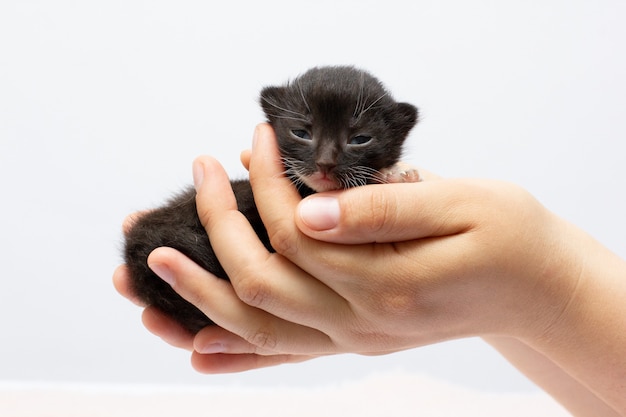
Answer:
(395, 395)
(103, 106)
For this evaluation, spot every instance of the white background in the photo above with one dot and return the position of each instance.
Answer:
(103, 106)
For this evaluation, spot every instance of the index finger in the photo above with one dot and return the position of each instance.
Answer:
(276, 199)
(274, 193)
(265, 281)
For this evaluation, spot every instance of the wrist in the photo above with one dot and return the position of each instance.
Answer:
(586, 332)
(557, 279)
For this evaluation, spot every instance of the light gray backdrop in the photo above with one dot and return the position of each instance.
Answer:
(104, 105)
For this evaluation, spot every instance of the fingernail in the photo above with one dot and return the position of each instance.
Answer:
(319, 213)
(198, 174)
(212, 348)
(163, 272)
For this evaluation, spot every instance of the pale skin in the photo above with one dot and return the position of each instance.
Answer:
(383, 268)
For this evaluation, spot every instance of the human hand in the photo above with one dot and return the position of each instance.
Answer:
(382, 268)
(168, 329)
(154, 320)
(174, 334)
(453, 258)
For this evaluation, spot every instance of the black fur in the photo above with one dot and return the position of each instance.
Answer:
(337, 127)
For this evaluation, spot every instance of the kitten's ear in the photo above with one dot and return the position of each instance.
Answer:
(272, 99)
(403, 117)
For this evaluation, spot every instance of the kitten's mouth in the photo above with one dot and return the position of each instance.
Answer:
(321, 181)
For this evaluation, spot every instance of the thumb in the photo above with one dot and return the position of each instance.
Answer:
(388, 212)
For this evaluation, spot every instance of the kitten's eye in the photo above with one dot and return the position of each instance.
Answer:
(301, 133)
(359, 140)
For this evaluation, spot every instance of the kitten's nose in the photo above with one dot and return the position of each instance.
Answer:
(326, 167)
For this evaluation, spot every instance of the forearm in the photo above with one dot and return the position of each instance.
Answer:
(585, 344)
(574, 396)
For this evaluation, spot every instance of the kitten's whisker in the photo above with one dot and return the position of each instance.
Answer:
(371, 105)
(373, 174)
(303, 96)
(364, 175)
(345, 181)
(379, 178)
(273, 104)
(360, 100)
(357, 176)
(295, 170)
(289, 118)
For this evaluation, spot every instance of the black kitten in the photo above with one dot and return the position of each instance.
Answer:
(337, 127)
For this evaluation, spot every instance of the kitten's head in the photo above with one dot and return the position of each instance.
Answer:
(337, 127)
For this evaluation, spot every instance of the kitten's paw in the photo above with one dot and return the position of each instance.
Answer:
(400, 173)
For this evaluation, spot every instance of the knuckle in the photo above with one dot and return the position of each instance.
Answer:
(382, 212)
(282, 241)
(263, 339)
(252, 291)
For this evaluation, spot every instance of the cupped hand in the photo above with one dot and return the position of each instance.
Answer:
(370, 270)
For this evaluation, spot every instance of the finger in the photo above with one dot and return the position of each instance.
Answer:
(131, 219)
(215, 339)
(273, 191)
(224, 363)
(244, 157)
(390, 212)
(121, 282)
(217, 299)
(155, 321)
(277, 199)
(262, 280)
(167, 329)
